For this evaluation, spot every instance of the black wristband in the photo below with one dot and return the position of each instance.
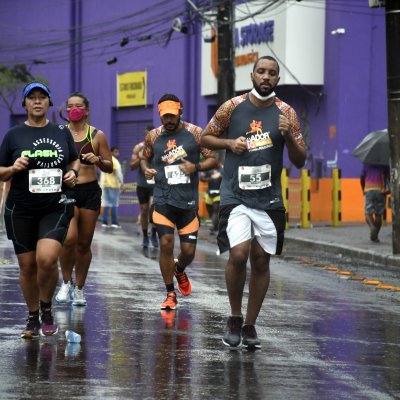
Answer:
(197, 166)
(75, 172)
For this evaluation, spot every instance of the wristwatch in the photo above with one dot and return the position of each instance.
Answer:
(75, 172)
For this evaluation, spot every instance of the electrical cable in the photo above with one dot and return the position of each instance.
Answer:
(98, 44)
(58, 46)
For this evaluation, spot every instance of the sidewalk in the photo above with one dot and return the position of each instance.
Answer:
(348, 240)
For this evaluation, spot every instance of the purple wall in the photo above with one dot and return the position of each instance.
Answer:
(355, 82)
(354, 94)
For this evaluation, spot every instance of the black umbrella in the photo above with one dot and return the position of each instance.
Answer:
(374, 148)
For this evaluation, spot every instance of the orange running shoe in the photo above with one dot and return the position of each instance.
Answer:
(169, 318)
(170, 302)
(184, 284)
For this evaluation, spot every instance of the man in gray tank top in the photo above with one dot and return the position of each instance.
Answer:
(257, 127)
(174, 151)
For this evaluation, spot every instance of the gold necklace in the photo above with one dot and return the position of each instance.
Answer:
(79, 132)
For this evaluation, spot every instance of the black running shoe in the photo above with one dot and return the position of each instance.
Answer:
(249, 337)
(32, 328)
(232, 336)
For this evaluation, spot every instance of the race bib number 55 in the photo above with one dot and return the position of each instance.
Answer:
(253, 178)
(45, 180)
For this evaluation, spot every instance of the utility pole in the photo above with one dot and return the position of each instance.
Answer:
(393, 89)
(226, 51)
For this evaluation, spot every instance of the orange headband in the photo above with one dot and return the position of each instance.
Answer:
(169, 107)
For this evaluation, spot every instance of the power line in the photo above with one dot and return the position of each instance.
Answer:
(139, 27)
(52, 50)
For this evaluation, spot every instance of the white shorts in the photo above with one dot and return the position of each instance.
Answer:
(239, 223)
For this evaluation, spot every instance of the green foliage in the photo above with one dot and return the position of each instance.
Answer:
(12, 80)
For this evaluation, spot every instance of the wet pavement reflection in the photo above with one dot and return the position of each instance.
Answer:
(322, 337)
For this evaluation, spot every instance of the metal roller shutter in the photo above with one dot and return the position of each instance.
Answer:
(128, 134)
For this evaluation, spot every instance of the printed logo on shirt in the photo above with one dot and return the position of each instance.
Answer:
(173, 152)
(171, 144)
(47, 153)
(256, 139)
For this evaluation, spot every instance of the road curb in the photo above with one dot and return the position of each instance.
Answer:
(365, 255)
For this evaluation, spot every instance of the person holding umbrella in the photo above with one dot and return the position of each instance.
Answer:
(374, 183)
(373, 151)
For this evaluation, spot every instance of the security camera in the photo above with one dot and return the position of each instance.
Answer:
(338, 31)
(209, 38)
(177, 25)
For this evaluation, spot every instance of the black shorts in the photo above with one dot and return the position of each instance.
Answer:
(167, 217)
(144, 194)
(87, 195)
(25, 227)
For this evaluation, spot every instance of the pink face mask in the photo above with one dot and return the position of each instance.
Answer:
(76, 114)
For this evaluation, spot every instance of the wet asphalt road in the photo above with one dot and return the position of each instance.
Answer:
(323, 337)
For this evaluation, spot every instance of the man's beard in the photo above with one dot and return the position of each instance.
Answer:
(261, 92)
(172, 127)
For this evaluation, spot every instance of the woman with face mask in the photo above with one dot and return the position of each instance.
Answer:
(94, 152)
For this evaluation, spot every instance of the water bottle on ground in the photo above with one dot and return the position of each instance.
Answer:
(72, 349)
(72, 337)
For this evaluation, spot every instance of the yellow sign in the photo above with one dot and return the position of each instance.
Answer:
(128, 194)
(132, 89)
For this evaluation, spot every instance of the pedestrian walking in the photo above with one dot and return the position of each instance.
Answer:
(94, 152)
(144, 190)
(212, 197)
(257, 127)
(374, 181)
(111, 185)
(41, 160)
(174, 150)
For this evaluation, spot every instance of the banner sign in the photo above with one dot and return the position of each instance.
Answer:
(132, 89)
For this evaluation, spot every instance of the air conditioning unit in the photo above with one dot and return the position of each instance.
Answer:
(377, 3)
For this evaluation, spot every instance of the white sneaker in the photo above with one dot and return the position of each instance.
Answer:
(116, 226)
(79, 297)
(64, 294)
